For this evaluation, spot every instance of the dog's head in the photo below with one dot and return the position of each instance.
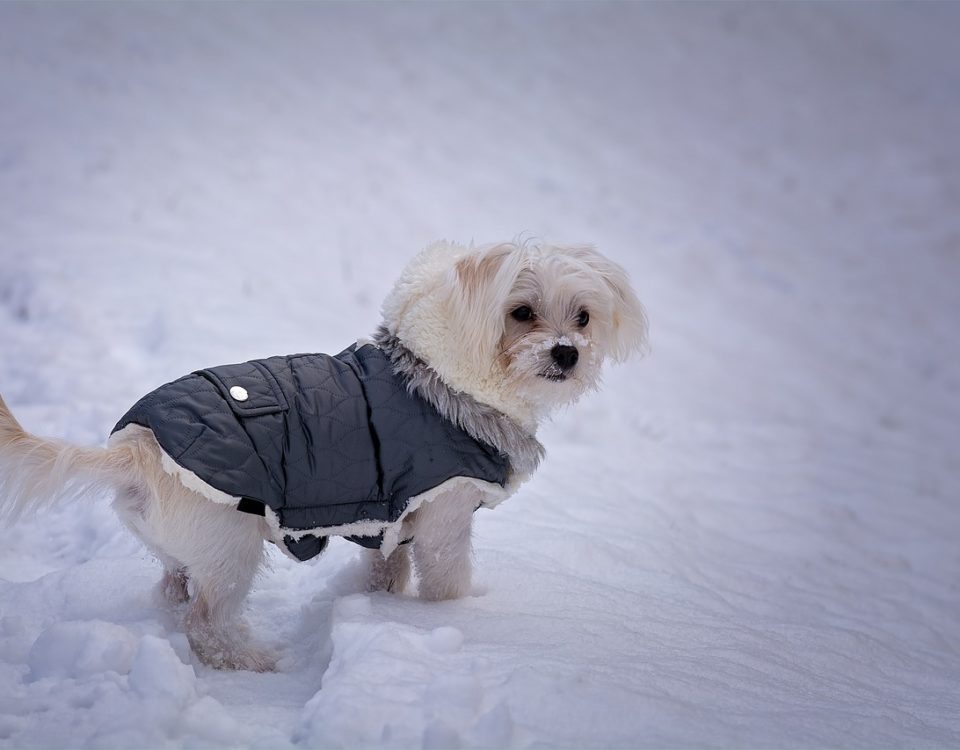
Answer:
(523, 328)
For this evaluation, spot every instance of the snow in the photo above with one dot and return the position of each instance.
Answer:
(748, 538)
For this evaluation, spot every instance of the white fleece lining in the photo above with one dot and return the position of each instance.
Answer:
(192, 482)
(493, 494)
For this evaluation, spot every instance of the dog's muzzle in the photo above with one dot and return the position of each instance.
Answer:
(563, 359)
(565, 356)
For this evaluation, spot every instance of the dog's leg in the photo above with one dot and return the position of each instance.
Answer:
(390, 574)
(210, 552)
(213, 565)
(221, 570)
(134, 504)
(172, 588)
(442, 545)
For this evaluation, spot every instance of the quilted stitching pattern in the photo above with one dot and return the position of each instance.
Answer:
(324, 441)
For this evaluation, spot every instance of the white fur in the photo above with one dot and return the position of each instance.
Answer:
(451, 308)
(457, 327)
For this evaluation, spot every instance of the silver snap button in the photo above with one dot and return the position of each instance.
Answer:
(238, 392)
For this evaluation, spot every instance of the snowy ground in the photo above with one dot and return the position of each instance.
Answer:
(749, 538)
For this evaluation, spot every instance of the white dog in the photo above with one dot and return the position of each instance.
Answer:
(397, 440)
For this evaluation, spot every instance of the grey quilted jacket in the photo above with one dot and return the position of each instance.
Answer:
(322, 441)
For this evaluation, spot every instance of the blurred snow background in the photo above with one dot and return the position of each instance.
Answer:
(749, 538)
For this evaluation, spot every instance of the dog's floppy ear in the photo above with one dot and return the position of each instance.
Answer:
(481, 284)
(629, 321)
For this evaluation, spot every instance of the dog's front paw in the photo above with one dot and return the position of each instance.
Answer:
(391, 574)
(444, 576)
(440, 590)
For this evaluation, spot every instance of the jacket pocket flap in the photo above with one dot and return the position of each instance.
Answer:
(249, 388)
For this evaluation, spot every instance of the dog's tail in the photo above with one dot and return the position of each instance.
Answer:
(37, 473)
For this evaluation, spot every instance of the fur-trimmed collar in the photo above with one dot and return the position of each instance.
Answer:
(480, 421)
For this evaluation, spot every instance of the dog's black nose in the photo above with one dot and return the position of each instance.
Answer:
(565, 356)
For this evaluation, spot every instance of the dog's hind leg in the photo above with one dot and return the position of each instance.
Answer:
(134, 505)
(221, 569)
(210, 552)
(213, 566)
(172, 588)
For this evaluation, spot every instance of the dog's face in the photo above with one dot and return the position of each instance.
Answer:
(523, 328)
(566, 312)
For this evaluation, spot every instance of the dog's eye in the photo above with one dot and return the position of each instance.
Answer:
(522, 313)
(583, 318)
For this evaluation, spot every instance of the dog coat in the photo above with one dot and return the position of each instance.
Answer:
(320, 444)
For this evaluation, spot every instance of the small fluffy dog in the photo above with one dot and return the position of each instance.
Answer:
(393, 443)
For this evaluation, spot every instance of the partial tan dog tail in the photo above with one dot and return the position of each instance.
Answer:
(37, 473)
